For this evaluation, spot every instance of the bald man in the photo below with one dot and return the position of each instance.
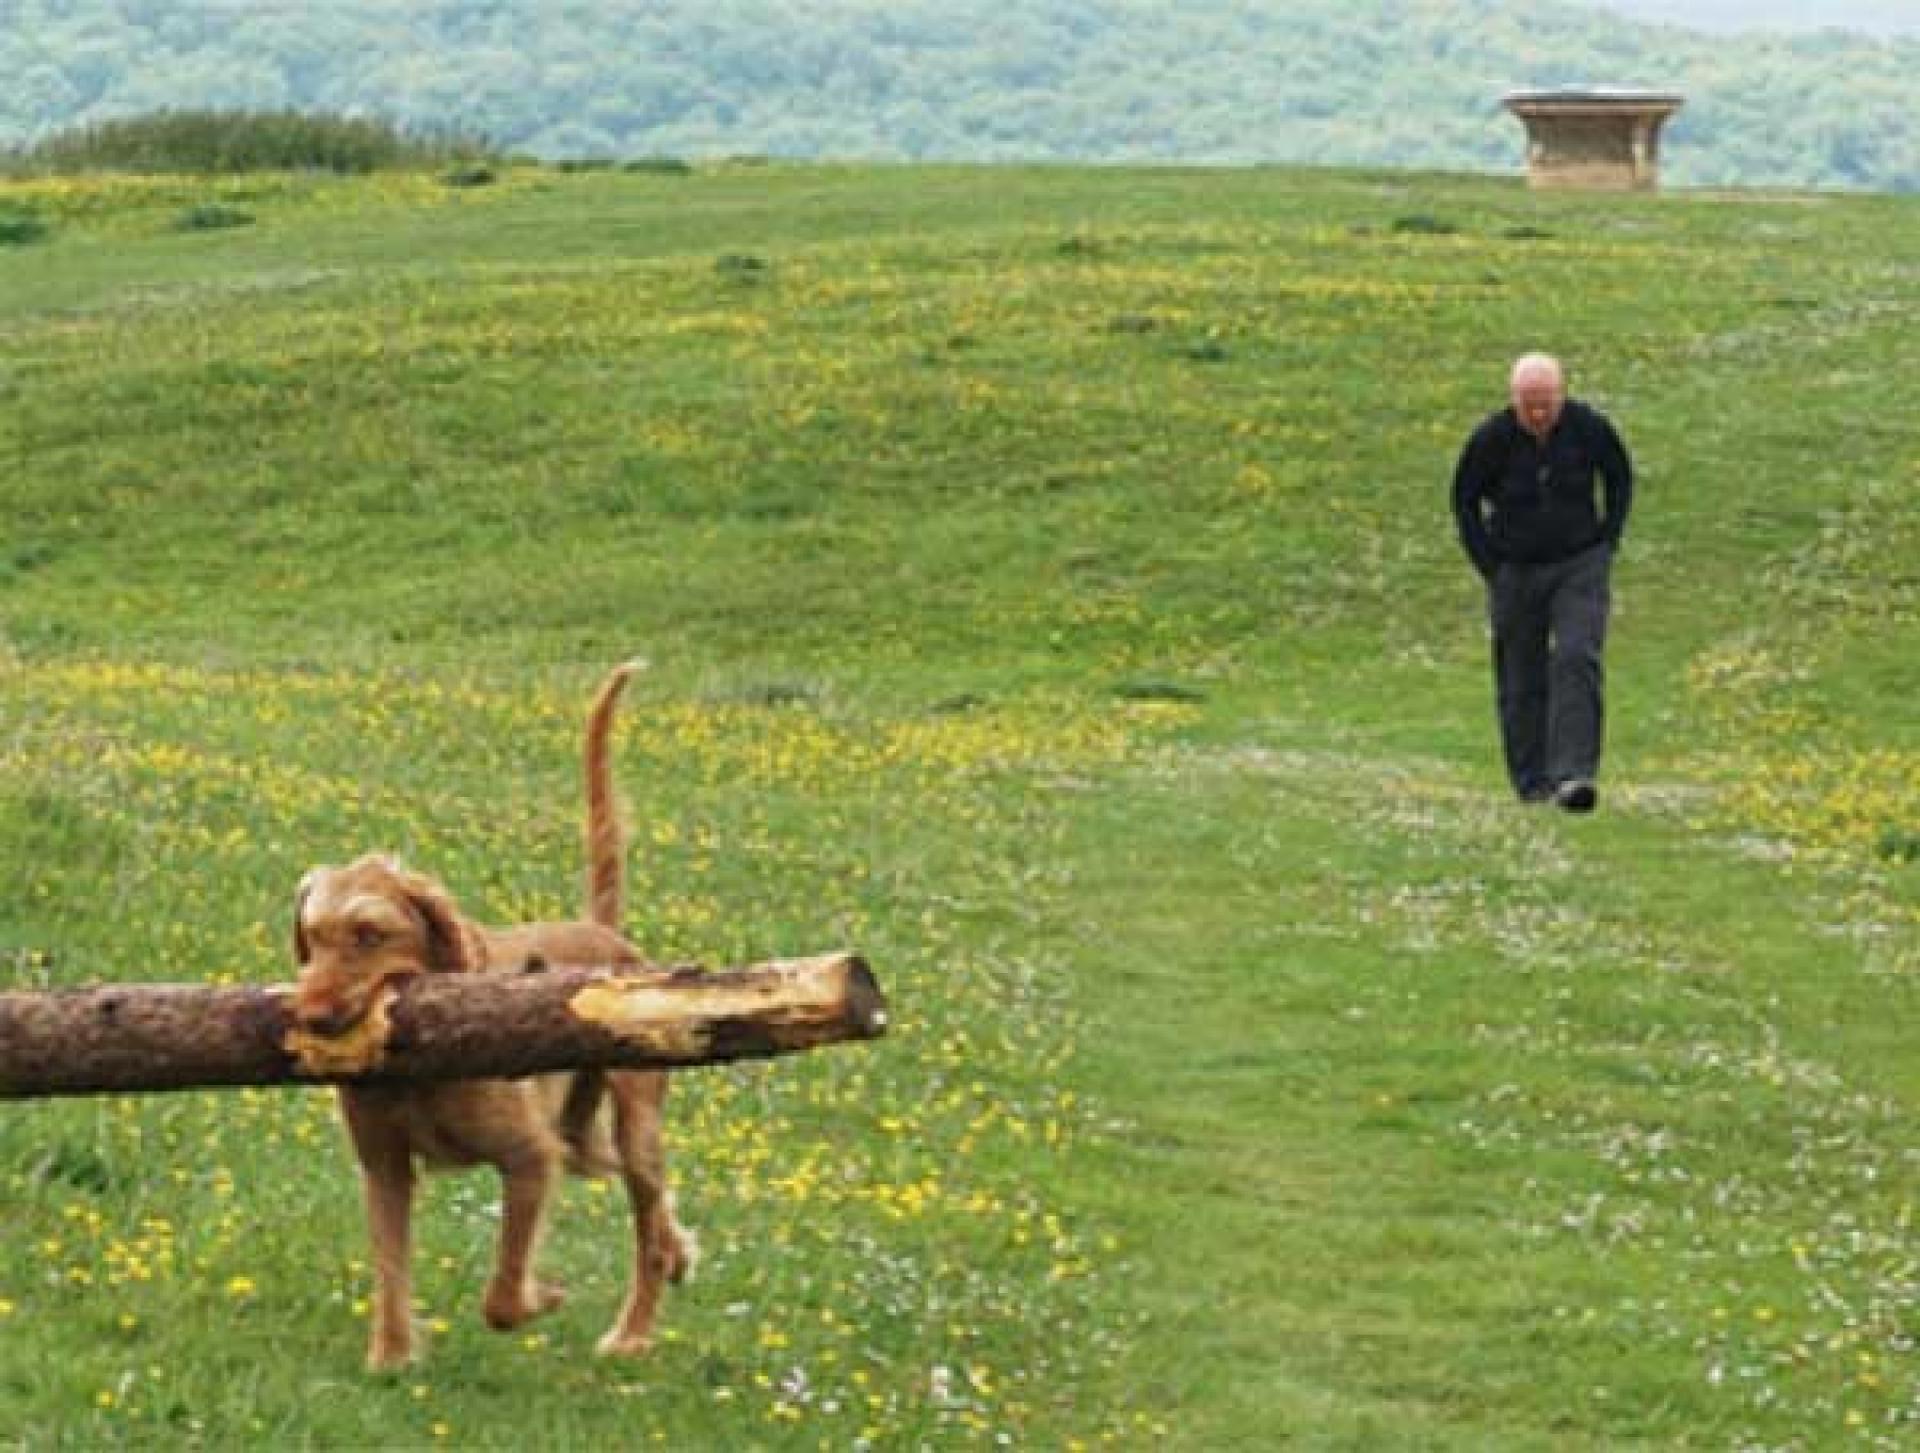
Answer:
(1541, 494)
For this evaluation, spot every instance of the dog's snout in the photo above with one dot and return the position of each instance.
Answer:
(320, 1006)
(321, 1016)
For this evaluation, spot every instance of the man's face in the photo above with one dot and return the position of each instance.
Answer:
(1538, 397)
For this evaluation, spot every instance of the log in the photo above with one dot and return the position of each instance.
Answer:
(137, 1037)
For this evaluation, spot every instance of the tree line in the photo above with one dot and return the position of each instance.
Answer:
(1392, 82)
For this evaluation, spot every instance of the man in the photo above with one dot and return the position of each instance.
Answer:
(1524, 499)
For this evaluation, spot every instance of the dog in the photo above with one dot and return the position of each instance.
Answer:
(359, 929)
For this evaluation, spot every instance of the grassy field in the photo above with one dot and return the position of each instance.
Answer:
(1050, 592)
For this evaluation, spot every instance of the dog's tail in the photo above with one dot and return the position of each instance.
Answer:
(581, 1125)
(606, 848)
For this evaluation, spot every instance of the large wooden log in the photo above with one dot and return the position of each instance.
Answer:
(132, 1037)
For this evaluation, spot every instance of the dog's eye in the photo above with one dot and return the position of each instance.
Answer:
(365, 935)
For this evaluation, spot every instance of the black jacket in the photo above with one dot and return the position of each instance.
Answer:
(1521, 500)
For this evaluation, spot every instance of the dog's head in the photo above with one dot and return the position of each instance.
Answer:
(357, 928)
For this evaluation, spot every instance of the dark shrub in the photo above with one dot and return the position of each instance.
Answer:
(17, 229)
(206, 143)
(1900, 845)
(213, 217)
(1158, 691)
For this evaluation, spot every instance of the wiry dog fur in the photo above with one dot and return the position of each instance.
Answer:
(359, 928)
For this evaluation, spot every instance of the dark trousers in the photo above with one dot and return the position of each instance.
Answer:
(1549, 628)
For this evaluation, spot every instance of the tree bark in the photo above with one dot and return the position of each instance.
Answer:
(134, 1037)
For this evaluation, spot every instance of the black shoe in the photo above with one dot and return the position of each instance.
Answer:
(1576, 795)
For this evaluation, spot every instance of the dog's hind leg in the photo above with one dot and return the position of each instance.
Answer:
(662, 1249)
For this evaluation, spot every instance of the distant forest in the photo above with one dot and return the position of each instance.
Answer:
(1396, 82)
(1880, 17)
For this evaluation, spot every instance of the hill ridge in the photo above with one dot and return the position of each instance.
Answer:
(1361, 82)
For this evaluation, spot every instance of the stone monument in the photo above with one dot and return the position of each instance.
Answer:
(1597, 138)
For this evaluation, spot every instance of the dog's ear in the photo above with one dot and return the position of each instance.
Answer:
(301, 951)
(447, 946)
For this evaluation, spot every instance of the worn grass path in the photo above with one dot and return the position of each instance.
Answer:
(1449, 1185)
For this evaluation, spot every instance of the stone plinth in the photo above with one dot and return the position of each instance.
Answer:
(1598, 139)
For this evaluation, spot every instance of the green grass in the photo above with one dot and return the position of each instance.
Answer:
(1050, 591)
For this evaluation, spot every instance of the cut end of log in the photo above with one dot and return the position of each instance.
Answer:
(688, 1015)
(866, 1005)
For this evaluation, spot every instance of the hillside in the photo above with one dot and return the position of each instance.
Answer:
(1050, 591)
(1321, 81)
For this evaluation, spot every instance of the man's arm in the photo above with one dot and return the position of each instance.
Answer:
(1473, 476)
(1616, 473)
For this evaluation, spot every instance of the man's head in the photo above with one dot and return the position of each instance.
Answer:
(1538, 389)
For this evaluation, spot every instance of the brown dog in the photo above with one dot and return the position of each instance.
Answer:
(358, 928)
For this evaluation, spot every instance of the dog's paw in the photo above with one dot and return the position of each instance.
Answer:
(683, 1254)
(508, 1307)
(390, 1356)
(621, 1343)
(394, 1345)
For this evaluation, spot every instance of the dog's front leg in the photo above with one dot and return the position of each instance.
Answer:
(527, 1173)
(386, 1179)
(390, 1223)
